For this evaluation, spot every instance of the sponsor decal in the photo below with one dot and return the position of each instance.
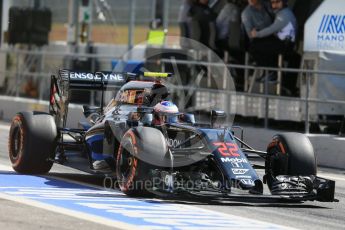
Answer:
(238, 183)
(233, 160)
(247, 181)
(97, 76)
(173, 142)
(239, 171)
(331, 32)
(237, 165)
(243, 177)
(334, 24)
(227, 149)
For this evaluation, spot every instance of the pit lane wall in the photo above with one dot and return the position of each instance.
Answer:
(329, 149)
(9, 106)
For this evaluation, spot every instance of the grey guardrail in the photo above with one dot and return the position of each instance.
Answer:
(9, 106)
(329, 149)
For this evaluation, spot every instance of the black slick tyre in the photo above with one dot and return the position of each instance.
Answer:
(32, 141)
(289, 154)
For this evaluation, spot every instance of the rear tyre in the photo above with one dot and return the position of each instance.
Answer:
(32, 141)
(289, 154)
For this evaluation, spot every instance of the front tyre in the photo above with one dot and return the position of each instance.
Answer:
(289, 154)
(32, 141)
(132, 173)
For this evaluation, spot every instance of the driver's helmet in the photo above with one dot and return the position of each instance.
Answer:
(162, 111)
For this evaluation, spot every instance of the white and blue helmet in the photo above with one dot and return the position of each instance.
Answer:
(165, 107)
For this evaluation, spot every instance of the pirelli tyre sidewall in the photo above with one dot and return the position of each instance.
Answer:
(32, 140)
(132, 173)
(289, 154)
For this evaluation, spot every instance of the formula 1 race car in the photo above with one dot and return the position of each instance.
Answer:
(142, 139)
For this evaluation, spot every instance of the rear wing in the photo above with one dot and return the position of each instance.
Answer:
(104, 80)
(68, 80)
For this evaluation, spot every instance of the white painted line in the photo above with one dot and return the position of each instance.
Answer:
(6, 168)
(319, 135)
(340, 138)
(180, 214)
(131, 210)
(76, 214)
(64, 211)
(80, 183)
(9, 168)
(331, 176)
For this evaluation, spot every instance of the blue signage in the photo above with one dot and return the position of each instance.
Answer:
(333, 24)
(331, 32)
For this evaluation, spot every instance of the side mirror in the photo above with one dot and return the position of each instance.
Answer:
(187, 117)
(147, 119)
(88, 110)
(146, 115)
(217, 116)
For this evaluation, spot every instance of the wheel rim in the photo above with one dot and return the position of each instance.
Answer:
(17, 142)
(126, 167)
(275, 163)
(126, 163)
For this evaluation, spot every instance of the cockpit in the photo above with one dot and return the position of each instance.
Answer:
(142, 93)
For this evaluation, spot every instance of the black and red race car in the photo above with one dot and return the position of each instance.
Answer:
(150, 149)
